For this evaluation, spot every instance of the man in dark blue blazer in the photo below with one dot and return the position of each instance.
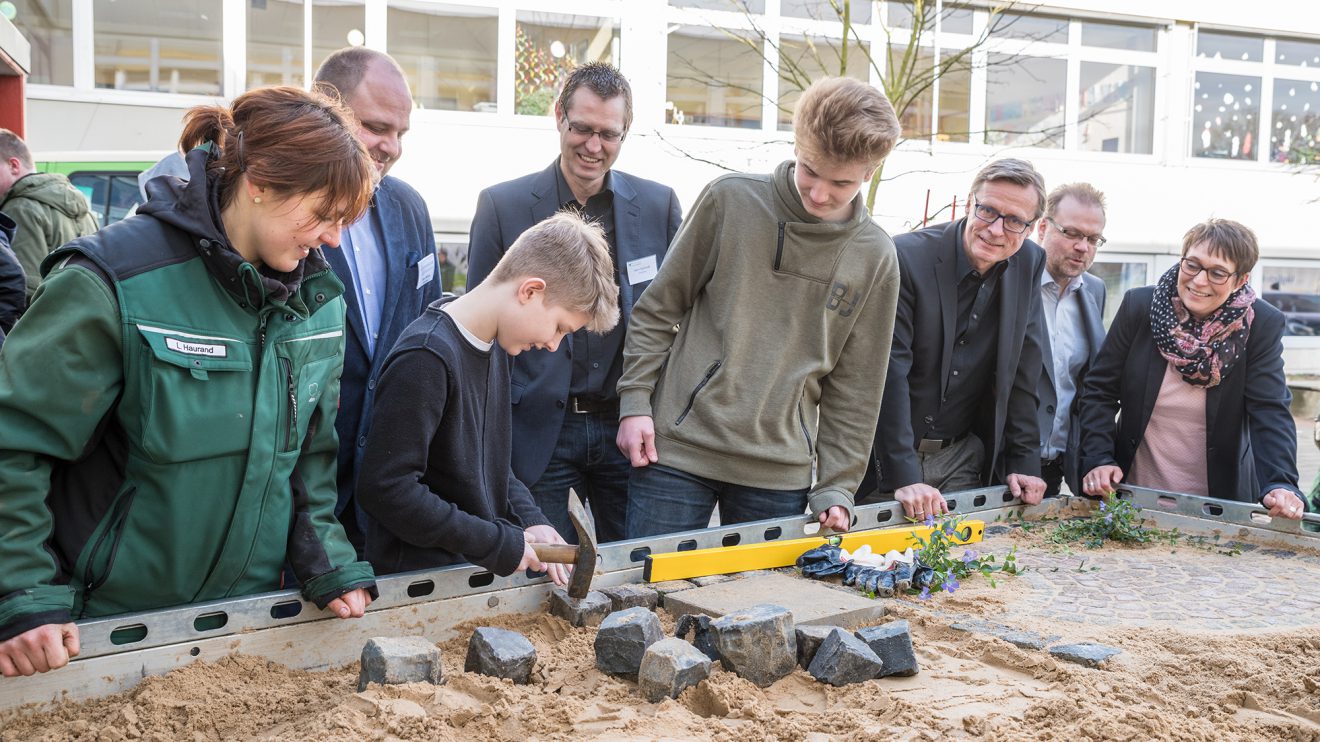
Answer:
(960, 398)
(386, 259)
(565, 406)
(1073, 304)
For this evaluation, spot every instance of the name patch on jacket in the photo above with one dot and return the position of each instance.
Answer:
(197, 349)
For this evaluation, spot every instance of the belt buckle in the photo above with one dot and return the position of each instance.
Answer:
(932, 445)
(577, 409)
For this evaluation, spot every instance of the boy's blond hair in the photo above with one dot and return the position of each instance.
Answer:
(573, 258)
(840, 120)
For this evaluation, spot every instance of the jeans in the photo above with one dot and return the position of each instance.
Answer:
(665, 500)
(587, 461)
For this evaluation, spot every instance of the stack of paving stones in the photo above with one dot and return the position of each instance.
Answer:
(623, 638)
(500, 653)
(390, 660)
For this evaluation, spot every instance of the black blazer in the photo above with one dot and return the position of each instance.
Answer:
(923, 349)
(1251, 440)
(646, 216)
(412, 282)
(1092, 300)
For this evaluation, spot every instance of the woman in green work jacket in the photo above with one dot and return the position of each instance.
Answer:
(167, 403)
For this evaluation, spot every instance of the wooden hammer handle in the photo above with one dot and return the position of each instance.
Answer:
(556, 553)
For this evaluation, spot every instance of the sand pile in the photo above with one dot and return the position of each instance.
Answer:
(1174, 681)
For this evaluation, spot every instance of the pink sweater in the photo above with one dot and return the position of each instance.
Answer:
(1171, 456)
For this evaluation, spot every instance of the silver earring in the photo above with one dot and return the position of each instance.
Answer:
(256, 199)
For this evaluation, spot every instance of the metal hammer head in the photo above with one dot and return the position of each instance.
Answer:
(584, 568)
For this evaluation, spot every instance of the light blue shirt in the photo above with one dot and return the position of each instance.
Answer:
(1068, 348)
(362, 246)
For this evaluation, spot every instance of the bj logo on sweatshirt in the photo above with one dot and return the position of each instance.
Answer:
(841, 300)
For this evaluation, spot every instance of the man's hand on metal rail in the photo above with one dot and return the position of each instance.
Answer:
(1030, 489)
(1283, 504)
(920, 500)
(352, 604)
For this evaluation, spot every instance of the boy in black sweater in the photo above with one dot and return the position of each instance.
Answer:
(436, 477)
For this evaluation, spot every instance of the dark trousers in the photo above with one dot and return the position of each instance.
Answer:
(587, 461)
(664, 500)
(1051, 470)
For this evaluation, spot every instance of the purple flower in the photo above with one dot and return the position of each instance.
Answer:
(951, 584)
(929, 521)
(925, 593)
(1103, 505)
(968, 557)
(948, 528)
(1109, 518)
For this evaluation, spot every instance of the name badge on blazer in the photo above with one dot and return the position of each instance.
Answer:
(641, 269)
(426, 270)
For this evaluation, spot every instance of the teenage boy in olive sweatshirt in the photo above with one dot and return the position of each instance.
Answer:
(754, 353)
(436, 477)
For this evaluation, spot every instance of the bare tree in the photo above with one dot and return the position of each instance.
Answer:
(908, 66)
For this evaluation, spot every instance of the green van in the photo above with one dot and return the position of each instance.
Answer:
(109, 181)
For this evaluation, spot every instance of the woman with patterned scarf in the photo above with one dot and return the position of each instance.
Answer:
(1192, 369)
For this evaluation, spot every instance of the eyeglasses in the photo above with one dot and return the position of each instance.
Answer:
(1217, 276)
(990, 215)
(582, 130)
(1096, 240)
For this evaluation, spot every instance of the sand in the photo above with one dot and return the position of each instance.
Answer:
(1172, 682)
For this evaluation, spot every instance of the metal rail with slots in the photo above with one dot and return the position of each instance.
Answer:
(118, 651)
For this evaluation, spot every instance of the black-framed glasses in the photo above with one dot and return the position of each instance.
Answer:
(1096, 240)
(990, 215)
(609, 136)
(1217, 276)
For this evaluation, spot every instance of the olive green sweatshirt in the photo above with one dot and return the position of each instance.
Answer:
(761, 347)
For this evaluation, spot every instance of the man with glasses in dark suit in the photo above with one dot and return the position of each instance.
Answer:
(565, 406)
(960, 397)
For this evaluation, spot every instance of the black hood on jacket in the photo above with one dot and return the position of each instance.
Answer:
(193, 206)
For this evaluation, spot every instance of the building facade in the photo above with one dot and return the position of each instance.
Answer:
(1178, 109)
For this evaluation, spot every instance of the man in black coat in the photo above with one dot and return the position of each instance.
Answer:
(565, 405)
(960, 398)
(13, 291)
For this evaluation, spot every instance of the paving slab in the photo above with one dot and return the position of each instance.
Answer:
(811, 603)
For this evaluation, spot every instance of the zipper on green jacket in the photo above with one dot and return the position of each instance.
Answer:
(291, 414)
(802, 421)
(692, 399)
(115, 531)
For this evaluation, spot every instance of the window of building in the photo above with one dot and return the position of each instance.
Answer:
(48, 26)
(1295, 131)
(549, 46)
(824, 10)
(1121, 273)
(1117, 108)
(447, 52)
(1030, 28)
(1218, 45)
(335, 25)
(1295, 291)
(919, 118)
(740, 6)
(275, 53)
(712, 80)
(804, 59)
(1025, 101)
(1225, 111)
(1119, 36)
(1296, 52)
(159, 47)
(111, 195)
(953, 20)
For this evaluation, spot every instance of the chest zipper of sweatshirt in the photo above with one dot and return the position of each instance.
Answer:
(779, 250)
(113, 531)
(292, 412)
(692, 398)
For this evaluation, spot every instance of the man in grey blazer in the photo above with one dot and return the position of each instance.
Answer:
(1073, 304)
(565, 406)
(960, 398)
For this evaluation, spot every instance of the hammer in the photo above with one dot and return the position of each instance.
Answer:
(582, 556)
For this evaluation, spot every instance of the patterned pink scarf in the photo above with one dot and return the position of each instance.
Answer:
(1203, 351)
